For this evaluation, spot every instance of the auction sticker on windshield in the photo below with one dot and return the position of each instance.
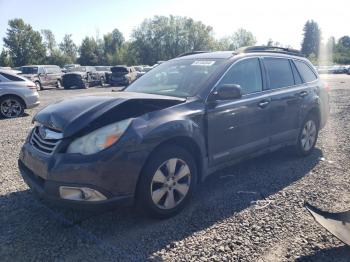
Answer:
(203, 63)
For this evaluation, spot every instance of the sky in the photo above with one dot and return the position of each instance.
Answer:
(281, 21)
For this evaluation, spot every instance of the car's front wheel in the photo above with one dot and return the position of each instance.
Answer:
(307, 137)
(58, 84)
(167, 182)
(38, 86)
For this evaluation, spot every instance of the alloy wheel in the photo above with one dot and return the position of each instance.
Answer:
(170, 183)
(11, 108)
(308, 135)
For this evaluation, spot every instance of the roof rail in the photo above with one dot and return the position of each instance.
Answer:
(270, 49)
(192, 53)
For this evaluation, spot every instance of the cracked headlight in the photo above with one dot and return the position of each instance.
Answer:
(99, 139)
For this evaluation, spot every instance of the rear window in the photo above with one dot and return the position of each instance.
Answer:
(120, 69)
(306, 73)
(279, 72)
(11, 77)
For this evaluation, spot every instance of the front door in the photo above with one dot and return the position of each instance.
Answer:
(239, 127)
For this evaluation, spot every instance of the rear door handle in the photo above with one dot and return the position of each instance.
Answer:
(303, 93)
(264, 103)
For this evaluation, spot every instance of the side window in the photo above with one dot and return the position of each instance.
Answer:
(49, 70)
(247, 74)
(297, 78)
(279, 72)
(41, 70)
(11, 77)
(307, 74)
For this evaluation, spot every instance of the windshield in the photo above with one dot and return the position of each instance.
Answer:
(181, 78)
(29, 70)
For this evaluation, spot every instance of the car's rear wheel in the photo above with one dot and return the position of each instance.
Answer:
(167, 182)
(102, 81)
(307, 137)
(11, 107)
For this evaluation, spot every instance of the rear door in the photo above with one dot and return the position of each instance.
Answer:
(241, 126)
(285, 90)
(50, 74)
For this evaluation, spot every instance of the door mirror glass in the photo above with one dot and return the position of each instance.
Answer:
(227, 92)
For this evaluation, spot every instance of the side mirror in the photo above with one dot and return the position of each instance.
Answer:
(227, 92)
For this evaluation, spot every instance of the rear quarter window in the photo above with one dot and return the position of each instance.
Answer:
(279, 72)
(11, 77)
(306, 73)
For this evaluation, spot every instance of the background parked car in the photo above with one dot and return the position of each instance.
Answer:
(66, 67)
(43, 75)
(122, 75)
(83, 77)
(139, 71)
(103, 71)
(16, 94)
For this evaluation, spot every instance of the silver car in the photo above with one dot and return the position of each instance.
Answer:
(16, 94)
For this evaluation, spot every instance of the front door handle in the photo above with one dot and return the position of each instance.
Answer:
(303, 93)
(264, 103)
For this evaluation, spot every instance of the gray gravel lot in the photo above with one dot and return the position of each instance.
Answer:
(222, 222)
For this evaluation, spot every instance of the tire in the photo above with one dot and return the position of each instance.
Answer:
(11, 107)
(159, 191)
(102, 81)
(58, 84)
(38, 85)
(307, 136)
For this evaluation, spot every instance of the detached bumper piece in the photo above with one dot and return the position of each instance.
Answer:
(338, 224)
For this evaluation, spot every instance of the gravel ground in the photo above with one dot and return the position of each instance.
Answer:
(252, 211)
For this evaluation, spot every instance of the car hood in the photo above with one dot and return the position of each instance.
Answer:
(83, 114)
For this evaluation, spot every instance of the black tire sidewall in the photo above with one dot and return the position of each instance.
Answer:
(143, 196)
(59, 84)
(38, 84)
(299, 148)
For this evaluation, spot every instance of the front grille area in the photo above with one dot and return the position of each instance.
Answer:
(42, 144)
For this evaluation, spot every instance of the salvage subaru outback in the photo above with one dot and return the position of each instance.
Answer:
(152, 143)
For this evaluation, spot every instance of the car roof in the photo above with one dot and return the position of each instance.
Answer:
(39, 65)
(245, 51)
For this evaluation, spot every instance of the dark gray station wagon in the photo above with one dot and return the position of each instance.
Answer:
(154, 142)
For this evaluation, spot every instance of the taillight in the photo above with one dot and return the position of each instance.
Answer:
(31, 86)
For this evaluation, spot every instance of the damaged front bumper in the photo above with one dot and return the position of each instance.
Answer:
(338, 224)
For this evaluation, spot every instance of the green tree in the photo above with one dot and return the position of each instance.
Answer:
(330, 45)
(88, 52)
(24, 44)
(5, 58)
(69, 48)
(162, 38)
(242, 38)
(113, 45)
(344, 42)
(270, 42)
(238, 39)
(312, 39)
(49, 40)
